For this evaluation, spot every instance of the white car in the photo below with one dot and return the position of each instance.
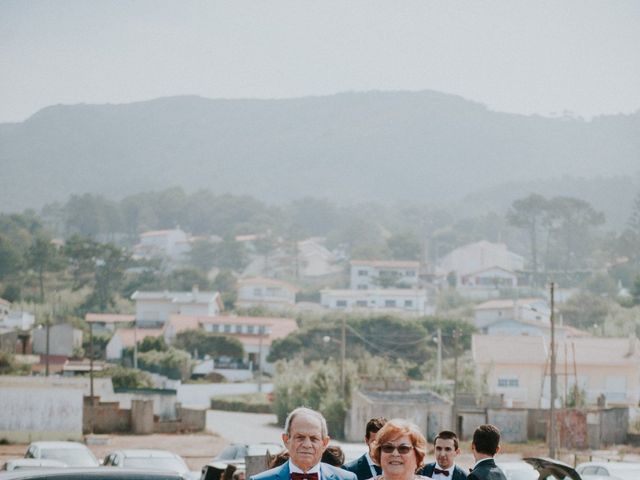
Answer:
(609, 470)
(73, 454)
(28, 463)
(518, 470)
(149, 459)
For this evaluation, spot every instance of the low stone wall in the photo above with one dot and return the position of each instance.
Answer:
(105, 417)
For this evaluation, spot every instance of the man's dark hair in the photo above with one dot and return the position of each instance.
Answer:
(486, 439)
(447, 435)
(333, 455)
(374, 425)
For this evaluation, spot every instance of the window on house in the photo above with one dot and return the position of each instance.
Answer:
(508, 382)
(227, 329)
(214, 328)
(410, 273)
(273, 292)
(389, 303)
(361, 303)
(251, 329)
(341, 303)
(362, 287)
(363, 273)
(257, 292)
(408, 303)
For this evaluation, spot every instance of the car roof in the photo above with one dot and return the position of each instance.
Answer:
(608, 464)
(51, 444)
(100, 473)
(145, 453)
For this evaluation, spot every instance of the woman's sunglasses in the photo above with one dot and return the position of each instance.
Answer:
(402, 449)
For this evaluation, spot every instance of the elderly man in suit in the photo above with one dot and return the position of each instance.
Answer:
(364, 467)
(305, 437)
(485, 446)
(446, 449)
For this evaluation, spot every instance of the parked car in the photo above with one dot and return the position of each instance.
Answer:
(518, 470)
(149, 459)
(94, 473)
(552, 469)
(609, 470)
(73, 454)
(234, 454)
(25, 463)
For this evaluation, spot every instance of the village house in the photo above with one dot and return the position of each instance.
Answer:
(518, 368)
(265, 292)
(127, 338)
(172, 244)
(64, 339)
(376, 274)
(154, 308)
(5, 307)
(255, 333)
(481, 269)
(491, 311)
(315, 261)
(108, 322)
(409, 301)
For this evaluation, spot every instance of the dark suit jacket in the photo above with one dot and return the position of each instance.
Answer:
(458, 473)
(486, 470)
(327, 472)
(359, 466)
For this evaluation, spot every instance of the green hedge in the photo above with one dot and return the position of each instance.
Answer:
(255, 403)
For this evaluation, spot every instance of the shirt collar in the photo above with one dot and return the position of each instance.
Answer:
(450, 470)
(293, 468)
(482, 460)
(369, 459)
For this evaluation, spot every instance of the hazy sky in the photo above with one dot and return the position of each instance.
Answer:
(516, 56)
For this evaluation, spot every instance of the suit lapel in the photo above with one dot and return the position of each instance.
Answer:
(284, 472)
(326, 473)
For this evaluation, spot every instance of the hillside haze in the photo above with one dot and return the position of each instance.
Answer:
(381, 146)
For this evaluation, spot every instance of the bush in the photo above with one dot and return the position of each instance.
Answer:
(123, 377)
(252, 403)
(175, 364)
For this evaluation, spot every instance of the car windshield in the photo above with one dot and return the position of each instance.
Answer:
(154, 463)
(632, 472)
(231, 452)
(74, 457)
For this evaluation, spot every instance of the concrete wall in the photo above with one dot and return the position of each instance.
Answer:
(430, 419)
(38, 408)
(164, 401)
(512, 424)
(105, 417)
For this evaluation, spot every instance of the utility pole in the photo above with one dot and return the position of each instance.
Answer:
(261, 334)
(47, 348)
(343, 350)
(554, 385)
(135, 342)
(456, 337)
(91, 375)
(439, 358)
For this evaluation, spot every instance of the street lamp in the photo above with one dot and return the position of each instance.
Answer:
(343, 347)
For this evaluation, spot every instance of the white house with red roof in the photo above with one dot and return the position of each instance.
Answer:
(266, 292)
(255, 333)
(376, 274)
(407, 301)
(173, 244)
(156, 307)
(518, 368)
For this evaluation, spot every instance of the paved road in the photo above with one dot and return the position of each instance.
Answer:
(238, 427)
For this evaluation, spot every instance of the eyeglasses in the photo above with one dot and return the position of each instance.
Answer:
(402, 449)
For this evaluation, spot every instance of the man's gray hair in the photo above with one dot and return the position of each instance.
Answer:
(309, 412)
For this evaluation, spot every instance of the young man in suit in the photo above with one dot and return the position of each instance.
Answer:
(305, 437)
(446, 449)
(485, 446)
(364, 467)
